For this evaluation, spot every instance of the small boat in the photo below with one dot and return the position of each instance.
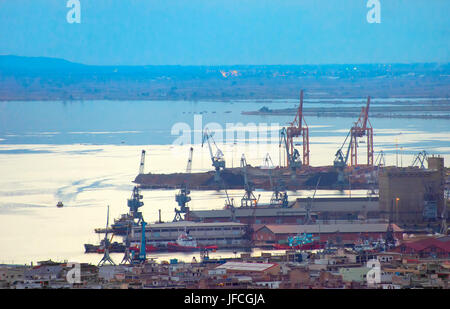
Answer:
(60, 204)
(184, 242)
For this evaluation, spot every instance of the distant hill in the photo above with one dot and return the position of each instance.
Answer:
(18, 64)
(29, 64)
(33, 78)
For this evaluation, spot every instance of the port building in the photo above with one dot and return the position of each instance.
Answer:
(341, 208)
(224, 234)
(326, 232)
(413, 195)
(251, 215)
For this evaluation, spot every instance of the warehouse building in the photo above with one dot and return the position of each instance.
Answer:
(413, 195)
(326, 232)
(341, 208)
(224, 234)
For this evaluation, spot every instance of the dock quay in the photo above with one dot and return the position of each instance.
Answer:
(224, 235)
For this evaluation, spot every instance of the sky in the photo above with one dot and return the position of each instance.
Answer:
(227, 32)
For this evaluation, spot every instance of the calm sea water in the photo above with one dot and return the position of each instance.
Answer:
(87, 154)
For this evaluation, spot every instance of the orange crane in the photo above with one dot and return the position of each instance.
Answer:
(362, 128)
(298, 128)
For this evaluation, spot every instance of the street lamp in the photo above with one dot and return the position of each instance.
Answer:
(397, 199)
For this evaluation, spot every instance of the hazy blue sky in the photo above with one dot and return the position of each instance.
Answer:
(214, 32)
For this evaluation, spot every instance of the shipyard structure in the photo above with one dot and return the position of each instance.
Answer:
(400, 201)
(413, 195)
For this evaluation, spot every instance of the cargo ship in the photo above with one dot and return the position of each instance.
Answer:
(114, 247)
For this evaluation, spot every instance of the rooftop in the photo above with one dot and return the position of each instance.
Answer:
(247, 212)
(330, 228)
(243, 266)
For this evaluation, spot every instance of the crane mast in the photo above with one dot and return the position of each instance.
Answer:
(294, 161)
(218, 161)
(141, 166)
(182, 197)
(298, 128)
(106, 257)
(420, 159)
(189, 164)
(361, 128)
(249, 199)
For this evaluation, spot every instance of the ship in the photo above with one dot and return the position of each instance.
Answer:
(187, 243)
(114, 247)
(184, 242)
(127, 221)
(148, 248)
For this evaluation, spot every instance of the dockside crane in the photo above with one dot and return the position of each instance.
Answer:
(141, 256)
(309, 204)
(106, 257)
(134, 203)
(362, 127)
(249, 199)
(420, 159)
(229, 204)
(341, 161)
(218, 161)
(380, 161)
(182, 197)
(294, 160)
(141, 166)
(279, 196)
(267, 162)
(298, 128)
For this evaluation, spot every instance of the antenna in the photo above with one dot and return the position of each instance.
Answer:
(141, 166)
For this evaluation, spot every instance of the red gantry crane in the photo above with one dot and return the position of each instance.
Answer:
(298, 128)
(360, 129)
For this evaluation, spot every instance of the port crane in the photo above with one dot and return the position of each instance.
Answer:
(218, 161)
(229, 204)
(141, 257)
(127, 255)
(279, 195)
(297, 128)
(380, 161)
(340, 161)
(309, 204)
(420, 159)
(141, 165)
(294, 161)
(267, 162)
(134, 203)
(182, 197)
(362, 127)
(249, 199)
(106, 257)
(142, 250)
